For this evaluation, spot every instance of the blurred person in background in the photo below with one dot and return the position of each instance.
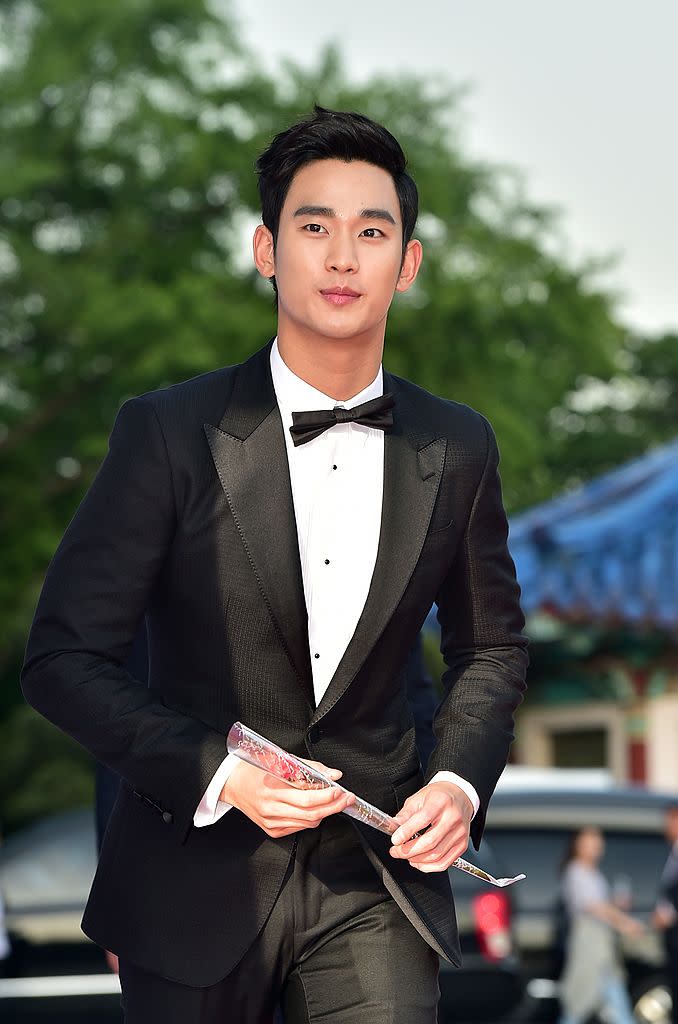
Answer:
(593, 977)
(666, 913)
(5, 947)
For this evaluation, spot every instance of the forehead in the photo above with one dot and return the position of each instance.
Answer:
(345, 187)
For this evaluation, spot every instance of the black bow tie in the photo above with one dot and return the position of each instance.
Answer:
(375, 413)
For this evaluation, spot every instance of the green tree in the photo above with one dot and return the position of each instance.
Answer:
(603, 422)
(128, 135)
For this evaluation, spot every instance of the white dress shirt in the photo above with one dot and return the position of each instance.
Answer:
(337, 484)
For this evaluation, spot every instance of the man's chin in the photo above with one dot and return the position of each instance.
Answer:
(338, 328)
(338, 331)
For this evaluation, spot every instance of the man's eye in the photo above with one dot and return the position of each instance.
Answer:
(314, 228)
(372, 233)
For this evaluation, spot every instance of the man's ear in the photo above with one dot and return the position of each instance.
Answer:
(264, 251)
(410, 265)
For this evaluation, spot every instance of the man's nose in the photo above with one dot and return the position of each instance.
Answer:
(342, 256)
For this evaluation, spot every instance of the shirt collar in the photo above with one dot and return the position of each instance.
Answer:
(293, 393)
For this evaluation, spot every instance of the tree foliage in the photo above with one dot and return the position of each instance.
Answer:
(604, 422)
(128, 135)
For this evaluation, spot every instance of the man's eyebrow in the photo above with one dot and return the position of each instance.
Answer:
(370, 213)
(378, 214)
(314, 211)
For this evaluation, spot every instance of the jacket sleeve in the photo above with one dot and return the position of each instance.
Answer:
(92, 603)
(482, 645)
(423, 700)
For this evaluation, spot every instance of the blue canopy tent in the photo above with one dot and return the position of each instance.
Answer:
(607, 551)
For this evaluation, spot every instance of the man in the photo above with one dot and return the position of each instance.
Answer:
(286, 553)
(666, 913)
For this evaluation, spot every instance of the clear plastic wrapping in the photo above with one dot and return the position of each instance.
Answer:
(250, 746)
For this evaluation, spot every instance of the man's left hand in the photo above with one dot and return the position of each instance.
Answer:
(448, 811)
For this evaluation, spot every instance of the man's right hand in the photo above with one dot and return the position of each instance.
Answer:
(278, 808)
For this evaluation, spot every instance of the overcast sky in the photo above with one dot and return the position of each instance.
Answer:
(581, 95)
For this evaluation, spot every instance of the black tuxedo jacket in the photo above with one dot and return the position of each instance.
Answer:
(190, 521)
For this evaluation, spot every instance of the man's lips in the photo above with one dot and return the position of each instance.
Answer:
(339, 296)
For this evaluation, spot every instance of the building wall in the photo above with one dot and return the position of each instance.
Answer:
(641, 737)
(538, 726)
(661, 717)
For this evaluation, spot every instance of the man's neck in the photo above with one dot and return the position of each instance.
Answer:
(340, 368)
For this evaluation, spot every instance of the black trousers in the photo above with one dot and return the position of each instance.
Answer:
(335, 948)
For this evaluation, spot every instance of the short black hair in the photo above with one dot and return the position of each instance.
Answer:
(332, 135)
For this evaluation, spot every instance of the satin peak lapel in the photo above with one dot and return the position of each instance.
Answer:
(413, 467)
(248, 449)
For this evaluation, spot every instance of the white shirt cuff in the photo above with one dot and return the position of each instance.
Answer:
(211, 808)
(463, 785)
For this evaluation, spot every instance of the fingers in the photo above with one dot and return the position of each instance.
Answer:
(430, 806)
(440, 865)
(438, 859)
(445, 838)
(281, 809)
(332, 773)
(447, 845)
(308, 798)
(306, 809)
(276, 814)
(426, 843)
(421, 845)
(443, 833)
(414, 823)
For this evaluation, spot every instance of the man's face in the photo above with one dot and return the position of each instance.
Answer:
(338, 256)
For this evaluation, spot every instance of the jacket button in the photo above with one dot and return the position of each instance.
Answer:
(167, 817)
(314, 734)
